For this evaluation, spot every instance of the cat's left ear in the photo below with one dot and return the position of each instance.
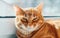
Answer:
(40, 7)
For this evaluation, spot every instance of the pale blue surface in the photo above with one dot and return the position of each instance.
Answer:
(7, 27)
(8, 36)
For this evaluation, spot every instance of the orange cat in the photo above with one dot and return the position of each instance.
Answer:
(30, 24)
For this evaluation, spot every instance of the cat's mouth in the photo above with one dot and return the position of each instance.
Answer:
(27, 30)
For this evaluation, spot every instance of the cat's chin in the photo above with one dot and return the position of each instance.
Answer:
(27, 30)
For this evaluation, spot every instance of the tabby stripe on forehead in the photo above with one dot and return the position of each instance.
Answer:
(33, 12)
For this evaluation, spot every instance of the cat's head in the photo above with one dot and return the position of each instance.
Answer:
(29, 19)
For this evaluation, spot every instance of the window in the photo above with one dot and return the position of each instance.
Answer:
(51, 7)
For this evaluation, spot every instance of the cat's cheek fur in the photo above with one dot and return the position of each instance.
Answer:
(27, 30)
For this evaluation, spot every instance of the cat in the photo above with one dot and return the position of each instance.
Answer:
(30, 23)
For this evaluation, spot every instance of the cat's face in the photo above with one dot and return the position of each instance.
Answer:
(29, 19)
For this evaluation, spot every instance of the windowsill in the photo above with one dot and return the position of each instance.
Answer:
(14, 16)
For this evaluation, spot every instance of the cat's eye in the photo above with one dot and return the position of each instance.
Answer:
(24, 20)
(35, 19)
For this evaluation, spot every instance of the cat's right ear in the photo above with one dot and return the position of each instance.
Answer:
(40, 7)
(18, 10)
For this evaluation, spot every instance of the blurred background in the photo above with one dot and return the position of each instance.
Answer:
(51, 9)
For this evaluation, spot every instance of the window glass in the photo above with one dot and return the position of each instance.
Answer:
(51, 7)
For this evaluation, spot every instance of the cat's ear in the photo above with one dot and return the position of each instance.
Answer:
(18, 10)
(40, 7)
